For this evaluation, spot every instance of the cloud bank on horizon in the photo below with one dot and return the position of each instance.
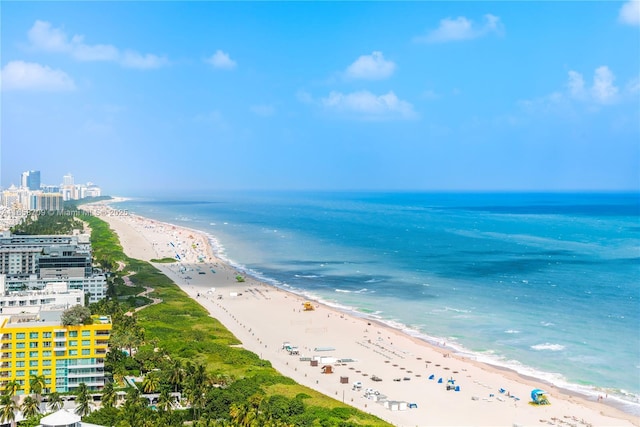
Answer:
(390, 96)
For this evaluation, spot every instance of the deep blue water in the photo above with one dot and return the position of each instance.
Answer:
(547, 284)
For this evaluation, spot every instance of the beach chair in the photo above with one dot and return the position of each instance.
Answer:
(457, 388)
(439, 380)
(431, 376)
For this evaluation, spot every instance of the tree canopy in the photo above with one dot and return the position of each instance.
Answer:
(76, 315)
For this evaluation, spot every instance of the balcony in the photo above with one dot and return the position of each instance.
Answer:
(89, 366)
(101, 343)
(98, 374)
(97, 382)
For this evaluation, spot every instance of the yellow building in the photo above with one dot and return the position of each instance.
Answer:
(38, 344)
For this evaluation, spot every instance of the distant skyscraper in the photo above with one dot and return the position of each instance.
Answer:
(67, 180)
(30, 180)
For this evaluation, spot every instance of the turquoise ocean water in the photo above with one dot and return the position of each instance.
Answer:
(545, 284)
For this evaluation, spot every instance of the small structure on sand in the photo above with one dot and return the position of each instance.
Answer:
(327, 369)
(539, 397)
(307, 306)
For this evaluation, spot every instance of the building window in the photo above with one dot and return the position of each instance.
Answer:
(20, 355)
(73, 352)
(20, 336)
(33, 344)
(20, 364)
(86, 343)
(19, 345)
(73, 334)
(86, 352)
(46, 372)
(33, 363)
(73, 343)
(86, 333)
(33, 372)
(33, 354)
(46, 362)
(46, 335)
(33, 335)
(20, 373)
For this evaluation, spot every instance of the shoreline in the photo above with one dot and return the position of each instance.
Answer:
(146, 238)
(588, 396)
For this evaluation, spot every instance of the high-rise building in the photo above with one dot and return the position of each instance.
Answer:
(47, 201)
(32, 261)
(67, 180)
(37, 343)
(30, 180)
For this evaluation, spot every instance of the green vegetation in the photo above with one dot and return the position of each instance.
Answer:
(164, 260)
(48, 222)
(93, 199)
(76, 315)
(178, 347)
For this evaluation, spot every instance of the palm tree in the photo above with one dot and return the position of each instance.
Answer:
(83, 400)
(164, 401)
(30, 406)
(108, 395)
(12, 388)
(8, 409)
(55, 401)
(151, 382)
(176, 374)
(37, 383)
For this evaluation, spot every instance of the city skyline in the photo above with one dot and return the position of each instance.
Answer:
(460, 96)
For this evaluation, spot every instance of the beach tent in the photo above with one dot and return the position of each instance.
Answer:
(539, 397)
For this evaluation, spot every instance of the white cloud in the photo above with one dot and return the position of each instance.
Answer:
(461, 28)
(576, 85)
(630, 13)
(98, 52)
(430, 94)
(221, 60)
(368, 105)
(603, 89)
(633, 86)
(371, 67)
(263, 110)
(44, 37)
(131, 59)
(20, 75)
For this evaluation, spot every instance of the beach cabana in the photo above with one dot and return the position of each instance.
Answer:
(327, 369)
(539, 397)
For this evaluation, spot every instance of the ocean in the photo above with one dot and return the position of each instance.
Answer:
(545, 284)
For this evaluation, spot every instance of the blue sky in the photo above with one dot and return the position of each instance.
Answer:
(334, 96)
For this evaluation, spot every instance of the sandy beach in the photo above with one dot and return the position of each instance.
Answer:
(356, 349)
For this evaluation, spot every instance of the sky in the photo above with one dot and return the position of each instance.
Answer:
(391, 96)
